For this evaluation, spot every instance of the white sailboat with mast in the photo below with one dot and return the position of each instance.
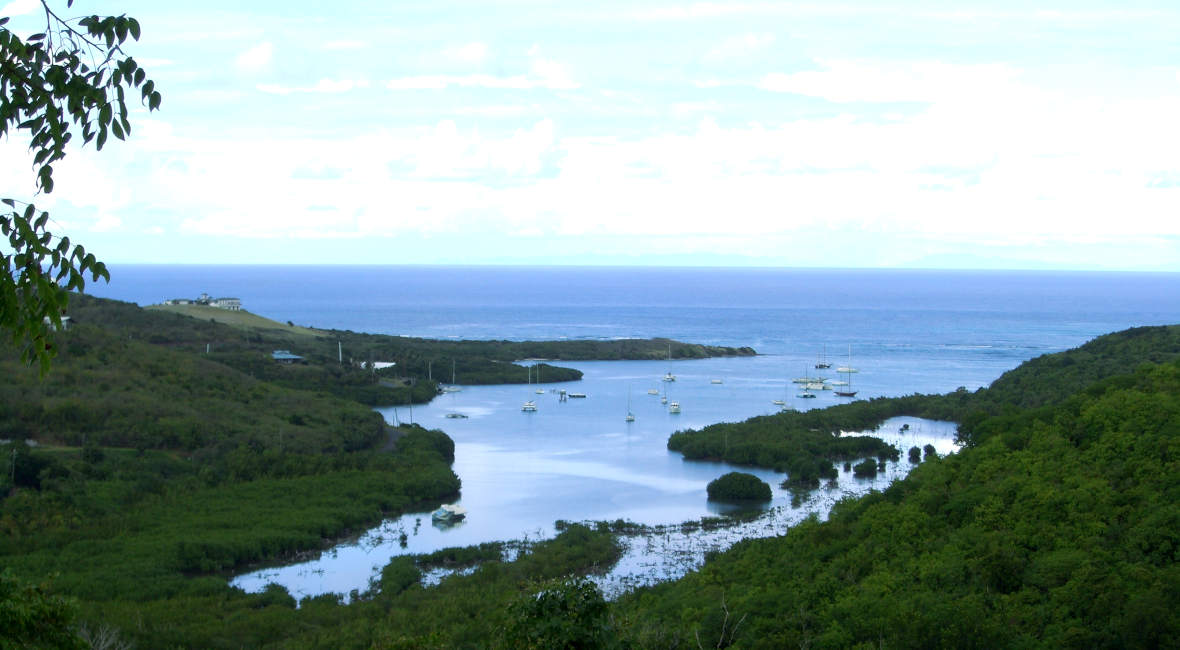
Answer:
(452, 388)
(846, 389)
(668, 376)
(529, 406)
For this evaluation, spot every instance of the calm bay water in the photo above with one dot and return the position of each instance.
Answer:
(908, 331)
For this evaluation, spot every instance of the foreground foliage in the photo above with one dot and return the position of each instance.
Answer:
(72, 78)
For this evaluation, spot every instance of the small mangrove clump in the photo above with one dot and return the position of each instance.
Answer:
(866, 468)
(739, 486)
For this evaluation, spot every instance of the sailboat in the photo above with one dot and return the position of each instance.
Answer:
(848, 369)
(805, 379)
(846, 389)
(664, 397)
(630, 417)
(452, 388)
(539, 391)
(668, 376)
(822, 361)
(783, 402)
(529, 406)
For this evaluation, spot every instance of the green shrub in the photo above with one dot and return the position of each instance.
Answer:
(739, 486)
(866, 468)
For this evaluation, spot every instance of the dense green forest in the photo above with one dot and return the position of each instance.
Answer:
(1058, 527)
(1055, 526)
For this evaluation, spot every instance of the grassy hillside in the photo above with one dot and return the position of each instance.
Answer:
(241, 319)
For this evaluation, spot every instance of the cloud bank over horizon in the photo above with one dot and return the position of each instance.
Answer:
(769, 134)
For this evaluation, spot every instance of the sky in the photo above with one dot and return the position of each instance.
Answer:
(801, 134)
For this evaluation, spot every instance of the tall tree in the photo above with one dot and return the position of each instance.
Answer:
(73, 77)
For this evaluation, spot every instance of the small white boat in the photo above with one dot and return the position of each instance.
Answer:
(779, 402)
(529, 407)
(714, 381)
(630, 417)
(653, 391)
(668, 376)
(674, 407)
(806, 394)
(846, 369)
(815, 385)
(540, 391)
(457, 416)
(449, 512)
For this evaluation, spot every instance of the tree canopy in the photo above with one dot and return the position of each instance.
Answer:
(73, 77)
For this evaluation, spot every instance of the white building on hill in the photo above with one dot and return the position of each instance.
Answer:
(232, 304)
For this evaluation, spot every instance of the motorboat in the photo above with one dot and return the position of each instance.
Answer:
(529, 407)
(457, 416)
(674, 407)
(449, 513)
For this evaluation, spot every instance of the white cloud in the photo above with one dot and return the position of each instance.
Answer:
(863, 81)
(469, 53)
(545, 74)
(739, 47)
(255, 58)
(20, 7)
(323, 86)
(106, 223)
(344, 45)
